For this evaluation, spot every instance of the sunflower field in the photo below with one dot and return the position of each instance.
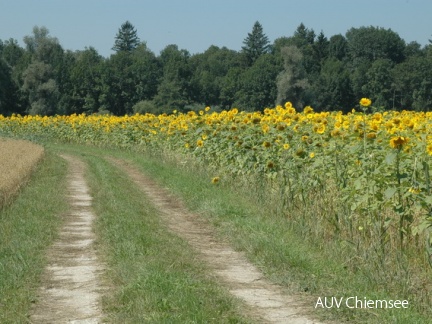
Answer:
(361, 177)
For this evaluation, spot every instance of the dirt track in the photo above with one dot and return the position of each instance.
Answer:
(70, 290)
(264, 300)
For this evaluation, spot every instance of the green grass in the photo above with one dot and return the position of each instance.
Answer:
(27, 226)
(155, 276)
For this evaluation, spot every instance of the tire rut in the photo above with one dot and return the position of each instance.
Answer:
(71, 290)
(265, 301)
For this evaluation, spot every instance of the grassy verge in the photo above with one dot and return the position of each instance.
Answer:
(155, 276)
(27, 227)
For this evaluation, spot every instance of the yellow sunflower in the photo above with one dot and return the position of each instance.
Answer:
(365, 102)
(397, 142)
(429, 149)
(266, 144)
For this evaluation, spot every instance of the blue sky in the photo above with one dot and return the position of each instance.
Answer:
(196, 25)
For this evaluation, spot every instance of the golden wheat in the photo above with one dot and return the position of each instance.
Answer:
(18, 159)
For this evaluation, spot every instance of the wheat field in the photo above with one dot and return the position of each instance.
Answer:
(17, 161)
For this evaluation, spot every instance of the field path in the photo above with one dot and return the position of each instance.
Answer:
(70, 289)
(265, 301)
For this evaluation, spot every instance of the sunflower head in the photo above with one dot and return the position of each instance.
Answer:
(266, 144)
(270, 165)
(429, 149)
(288, 105)
(256, 120)
(335, 132)
(365, 102)
(371, 135)
(308, 110)
(215, 180)
(281, 127)
(319, 128)
(397, 142)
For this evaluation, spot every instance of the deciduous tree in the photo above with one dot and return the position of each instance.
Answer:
(86, 86)
(174, 91)
(373, 43)
(258, 85)
(292, 81)
(42, 75)
(332, 89)
(41, 89)
(209, 71)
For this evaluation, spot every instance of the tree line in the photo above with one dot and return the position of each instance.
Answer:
(305, 68)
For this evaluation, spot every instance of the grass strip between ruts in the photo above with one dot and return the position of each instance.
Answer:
(155, 276)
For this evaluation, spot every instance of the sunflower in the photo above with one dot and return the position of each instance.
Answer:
(266, 144)
(374, 126)
(396, 121)
(265, 128)
(281, 127)
(319, 128)
(429, 149)
(414, 190)
(288, 105)
(365, 102)
(256, 120)
(371, 135)
(335, 132)
(377, 117)
(215, 180)
(398, 141)
(270, 165)
(308, 110)
(291, 110)
(300, 153)
(200, 143)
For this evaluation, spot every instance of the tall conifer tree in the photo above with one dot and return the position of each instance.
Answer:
(255, 44)
(126, 39)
